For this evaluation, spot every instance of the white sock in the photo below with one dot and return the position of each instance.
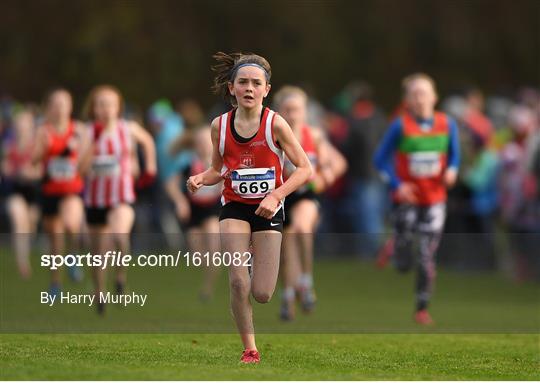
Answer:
(288, 293)
(306, 280)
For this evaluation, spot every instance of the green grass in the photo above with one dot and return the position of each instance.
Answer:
(486, 328)
(284, 357)
(353, 297)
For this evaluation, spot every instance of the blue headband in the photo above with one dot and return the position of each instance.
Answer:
(237, 67)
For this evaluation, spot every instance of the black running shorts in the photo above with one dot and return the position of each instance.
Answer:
(245, 212)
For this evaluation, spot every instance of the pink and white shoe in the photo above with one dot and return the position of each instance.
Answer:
(250, 356)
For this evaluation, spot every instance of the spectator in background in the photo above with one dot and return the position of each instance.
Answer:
(519, 193)
(453, 249)
(480, 180)
(5, 107)
(334, 209)
(473, 203)
(6, 131)
(533, 162)
(172, 131)
(166, 126)
(182, 146)
(192, 112)
(315, 111)
(194, 118)
(497, 110)
(365, 193)
(6, 111)
(530, 97)
(474, 116)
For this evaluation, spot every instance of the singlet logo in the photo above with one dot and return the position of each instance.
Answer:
(257, 143)
(247, 160)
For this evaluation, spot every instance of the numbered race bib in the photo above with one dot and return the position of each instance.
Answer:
(424, 164)
(253, 183)
(60, 168)
(106, 166)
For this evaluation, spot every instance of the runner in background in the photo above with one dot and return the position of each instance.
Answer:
(302, 210)
(22, 177)
(419, 158)
(109, 169)
(59, 141)
(199, 213)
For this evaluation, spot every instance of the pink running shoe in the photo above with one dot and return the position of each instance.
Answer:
(422, 317)
(250, 356)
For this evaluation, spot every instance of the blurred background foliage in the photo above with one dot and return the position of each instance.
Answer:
(151, 49)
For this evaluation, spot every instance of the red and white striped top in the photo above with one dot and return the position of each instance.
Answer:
(110, 180)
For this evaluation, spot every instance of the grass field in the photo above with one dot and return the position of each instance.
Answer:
(304, 357)
(487, 328)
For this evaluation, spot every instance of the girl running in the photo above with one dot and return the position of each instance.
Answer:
(58, 144)
(419, 158)
(23, 176)
(199, 213)
(249, 143)
(108, 166)
(302, 208)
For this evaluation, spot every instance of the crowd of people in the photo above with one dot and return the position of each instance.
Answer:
(496, 191)
(114, 172)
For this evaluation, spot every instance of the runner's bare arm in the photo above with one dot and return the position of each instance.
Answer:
(39, 148)
(212, 175)
(146, 141)
(85, 155)
(332, 164)
(7, 169)
(83, 137)
(292, 148)
(290, 145)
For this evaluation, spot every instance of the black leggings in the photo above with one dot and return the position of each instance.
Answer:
(424, 224)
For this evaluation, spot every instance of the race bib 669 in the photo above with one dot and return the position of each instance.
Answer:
(253, 183)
